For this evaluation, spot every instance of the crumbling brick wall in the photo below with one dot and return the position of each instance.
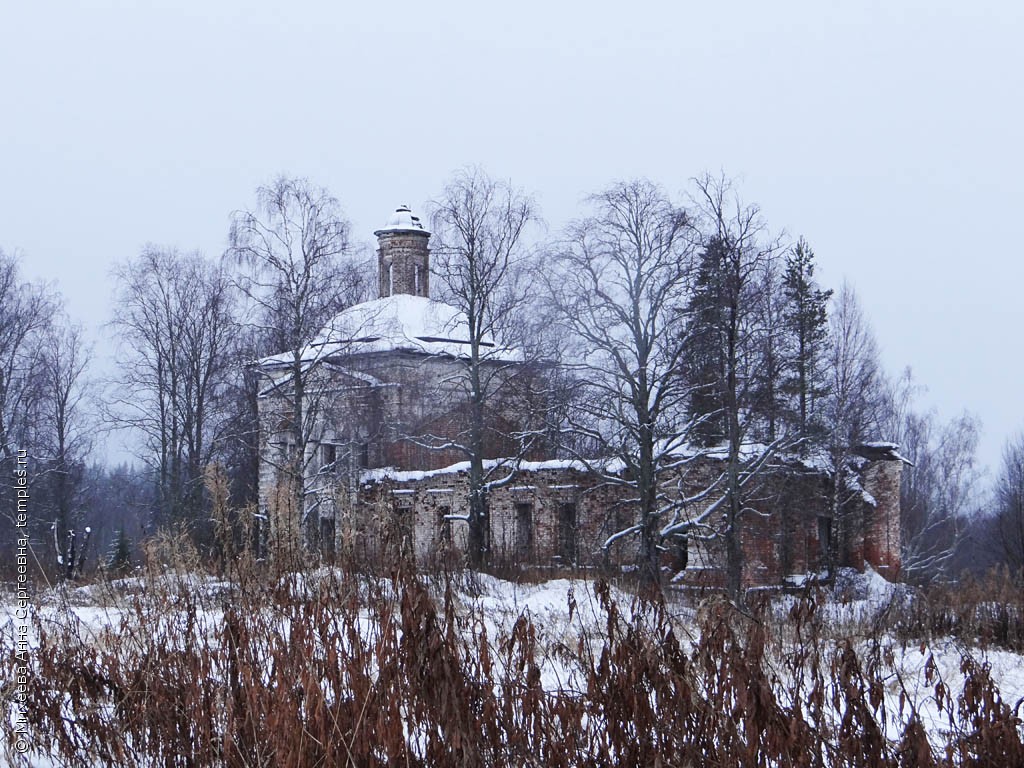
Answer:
(882, 540)
(544, 493)
(787, 512)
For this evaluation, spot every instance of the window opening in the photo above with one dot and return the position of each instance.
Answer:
(330, 455)
(327, 538)
(403, 525)
(444, 527)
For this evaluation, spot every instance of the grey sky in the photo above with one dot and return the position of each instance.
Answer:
(887, 133)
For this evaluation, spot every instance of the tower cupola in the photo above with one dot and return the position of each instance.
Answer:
(403, 257)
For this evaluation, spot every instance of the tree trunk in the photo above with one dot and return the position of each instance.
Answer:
(733, 540)
(479, 522)
(647, 485)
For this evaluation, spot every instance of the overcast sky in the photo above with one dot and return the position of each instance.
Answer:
(886, 133)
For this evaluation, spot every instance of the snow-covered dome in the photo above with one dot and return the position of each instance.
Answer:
(399, 322)
(403, 220)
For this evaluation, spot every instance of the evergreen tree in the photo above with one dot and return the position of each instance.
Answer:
(705, 356)
(807, 321)
(769, 402)
(119, 558)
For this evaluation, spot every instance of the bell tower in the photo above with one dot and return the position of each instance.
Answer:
(402, 255)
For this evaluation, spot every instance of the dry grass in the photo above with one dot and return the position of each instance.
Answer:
(986, 611)
(339, 668)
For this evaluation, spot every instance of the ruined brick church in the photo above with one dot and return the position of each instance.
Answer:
(383, 374)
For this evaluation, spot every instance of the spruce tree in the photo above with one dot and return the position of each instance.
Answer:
(705, 358)
(769, 403)
(807, 321)
(119, 558)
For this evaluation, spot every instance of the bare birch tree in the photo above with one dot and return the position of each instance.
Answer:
(483, 262)
(942, 498)
(619, 285)
(27, 311)
(298, 274)
(939, 493)
(854, 407)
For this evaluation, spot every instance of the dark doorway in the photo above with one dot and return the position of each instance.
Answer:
(567, 533)
(524, 530)
(327, 539)
(825, 541)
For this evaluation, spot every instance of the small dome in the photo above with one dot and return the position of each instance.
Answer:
(403, 220)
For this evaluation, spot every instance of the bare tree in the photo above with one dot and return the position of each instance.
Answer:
(26, 314)
(298, 275)
(854, 407)
(64, 361)
(939, 493)
(1009, 505)
(945, 484)
(482, 262)
(174, 314)
(300, 272)
(618, 285)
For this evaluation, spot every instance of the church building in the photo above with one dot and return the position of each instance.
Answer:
(383, 404)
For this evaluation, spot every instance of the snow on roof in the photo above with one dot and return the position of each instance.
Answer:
(881, 450)
(403, 220)
(609, 466)
(399, 322)
(370, 476)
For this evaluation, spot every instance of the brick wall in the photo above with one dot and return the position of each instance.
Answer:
(404, 263)
(781, 529)
(882, 540)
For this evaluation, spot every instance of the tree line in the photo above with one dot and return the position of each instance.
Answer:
(654, 324)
